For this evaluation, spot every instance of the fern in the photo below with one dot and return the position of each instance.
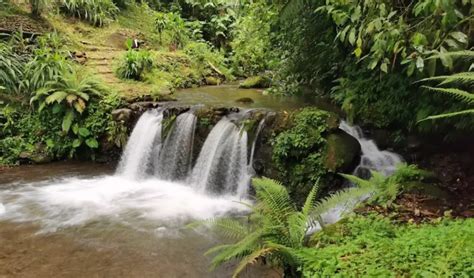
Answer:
(462, 79)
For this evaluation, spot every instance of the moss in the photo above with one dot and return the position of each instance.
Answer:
(342, 152)
(255, 82)
(211, 80)
(298, 151)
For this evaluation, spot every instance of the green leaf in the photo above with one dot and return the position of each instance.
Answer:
(84, 132)
(384, 67)
(92, 143)
(420, 63)
(76, 143)
(50, 143)
(358, 52)
(67, 120)
(352, 36)
(459, 36)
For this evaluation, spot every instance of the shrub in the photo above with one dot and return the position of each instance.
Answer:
(373, 246)
(11, 69)
(134, 64)
(68, 95)
(97, 12)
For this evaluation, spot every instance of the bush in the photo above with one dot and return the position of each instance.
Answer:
(374, 247)
(134, 64)
(97, 12)
(11, 69)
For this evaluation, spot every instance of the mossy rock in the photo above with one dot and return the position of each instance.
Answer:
(255, 82)
(245, 100)
(212, 81)
(342, 153)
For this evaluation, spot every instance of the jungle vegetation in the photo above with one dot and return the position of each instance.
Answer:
(401, 65)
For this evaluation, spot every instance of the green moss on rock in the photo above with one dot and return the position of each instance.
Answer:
(255, 82)
(342, 152)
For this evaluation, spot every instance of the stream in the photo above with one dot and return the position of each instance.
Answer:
(72, 219)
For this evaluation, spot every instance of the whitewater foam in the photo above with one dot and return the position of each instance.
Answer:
(73, 202)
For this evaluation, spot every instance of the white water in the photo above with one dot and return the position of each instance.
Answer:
(145, 138)
(73, 202)
(372, 159)
(174, 160)
(222, 162)
(139, 194)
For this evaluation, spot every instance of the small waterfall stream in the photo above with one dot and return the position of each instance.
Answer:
(372, 159)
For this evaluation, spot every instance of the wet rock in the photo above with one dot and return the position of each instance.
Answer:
(256, 82)
(245, 100)
(212, 81)
(144, 105)
(123, 114)
(342, 153)
(35, 157)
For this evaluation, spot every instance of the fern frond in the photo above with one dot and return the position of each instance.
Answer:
(251, 259)
(344, 197)
(356, 180)
(461, 77)
(448, 115)
(455, 93)
(229, 228)
(238, 250)
(310, 199)
(273, 197)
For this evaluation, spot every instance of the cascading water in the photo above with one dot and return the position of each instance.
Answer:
(372, 158)
(154, 180)
(145, 137)
(222, 163)
(174, 160)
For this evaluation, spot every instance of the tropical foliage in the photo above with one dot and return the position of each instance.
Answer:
(97, 12)
(68, 95)
(134, 64)
(374, 246)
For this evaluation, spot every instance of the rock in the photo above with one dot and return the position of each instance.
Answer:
(245, 100)
(342, 153)
(36, 157)
(211, 80)
(123, 114)
(144, 105)
(255, 82)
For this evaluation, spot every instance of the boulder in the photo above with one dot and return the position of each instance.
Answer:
(245, 100)
(342, 152)
(255, 82)
(123, 114)
(212, 81)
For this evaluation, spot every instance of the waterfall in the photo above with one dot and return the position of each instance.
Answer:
(372, 159)
(222, 163)
(136, 159)
(174, 160)
(223, 166)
